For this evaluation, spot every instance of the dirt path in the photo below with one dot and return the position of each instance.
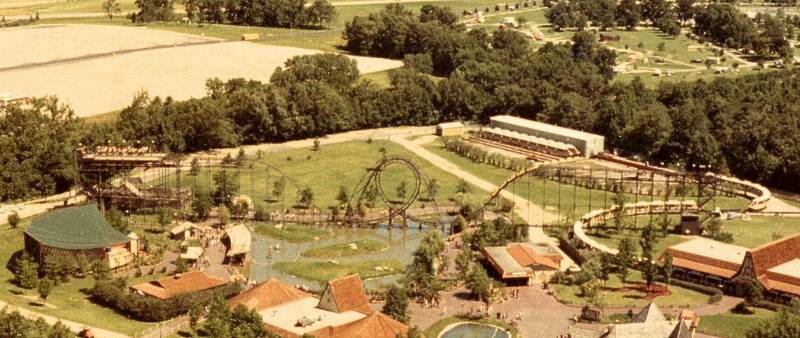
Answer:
(531, 213)
(73, 326)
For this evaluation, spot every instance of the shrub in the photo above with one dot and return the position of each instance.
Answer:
(715, 297)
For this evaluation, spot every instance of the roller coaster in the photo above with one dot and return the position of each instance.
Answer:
(672, 188)
(371, 184)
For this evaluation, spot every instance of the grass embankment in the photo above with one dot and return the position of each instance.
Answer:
(550, 194)
(292, 233)
(325, 171)
(436, 328)
(353, 248)
(68, 300)
(324, 271)
(615, 295)
(732, 325)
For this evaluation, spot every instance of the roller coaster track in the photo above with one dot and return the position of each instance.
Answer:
(373, 180)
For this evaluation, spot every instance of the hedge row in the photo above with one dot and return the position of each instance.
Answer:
(114, 293)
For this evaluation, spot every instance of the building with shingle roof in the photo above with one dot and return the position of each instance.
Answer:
(268, 294)
(345, 294)
(527, 262)
(178, 284)
(776, 265)
(343, 311)
(78, 231)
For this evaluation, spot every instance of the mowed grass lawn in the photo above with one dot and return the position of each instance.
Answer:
(612, 239)
(761, 229)
(571, 294)
(732, 325)
(352, 248)
(292, 233)
(324, 271)
(327, 170)
(571, 200)
(69, 300)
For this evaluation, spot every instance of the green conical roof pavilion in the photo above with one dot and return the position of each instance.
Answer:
(75, 228)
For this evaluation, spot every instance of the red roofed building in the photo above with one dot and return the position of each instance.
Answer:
(182, 283)
(267, 294)
(343, 311)
(345, 294)
(776, 265)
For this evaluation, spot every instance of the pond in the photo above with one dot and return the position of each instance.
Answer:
(474, 330)
(400, 244)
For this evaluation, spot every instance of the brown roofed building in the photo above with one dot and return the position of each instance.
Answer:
(527, 262)
(342, 312)
(267, 294)
(374, 325)
(168, 287)
(776, 265)
(706, 261)
(345, 294)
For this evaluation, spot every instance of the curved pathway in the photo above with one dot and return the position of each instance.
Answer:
(73, 326)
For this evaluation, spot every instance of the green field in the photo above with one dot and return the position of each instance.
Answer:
(569, 199)
(731, 325)
(571, 294)
(611, 239)
(326, 171)
(324, 271)
(352, 248)
(69, 300)
(292, 233)
(761, 229)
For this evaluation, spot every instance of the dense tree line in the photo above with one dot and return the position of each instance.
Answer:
(725, 25)
(15, 325)
(36, 143)
(747, 125)
(267, 13)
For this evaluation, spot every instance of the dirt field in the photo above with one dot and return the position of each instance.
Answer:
(104, 84)
(58, 42)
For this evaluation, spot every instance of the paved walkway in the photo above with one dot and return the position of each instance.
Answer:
(73, 326)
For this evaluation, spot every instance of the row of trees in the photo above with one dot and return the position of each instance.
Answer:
(604, 14)
(725, 25)
(15, 325)
(721, 123)
(114, 293)
(267, 13)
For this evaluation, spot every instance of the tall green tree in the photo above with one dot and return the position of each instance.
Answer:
(202, 203)
(27, 271)
(626, 250)
(227, 187)
(628, 14)
(396, 305)
(45, 287)
(648, 243)
(667, 268)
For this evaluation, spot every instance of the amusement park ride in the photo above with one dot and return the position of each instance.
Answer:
(139, 179)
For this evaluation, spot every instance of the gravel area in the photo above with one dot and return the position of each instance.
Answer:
(103, 84)
(37, 44)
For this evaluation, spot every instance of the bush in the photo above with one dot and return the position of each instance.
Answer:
(561, 277)
(715, 297)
